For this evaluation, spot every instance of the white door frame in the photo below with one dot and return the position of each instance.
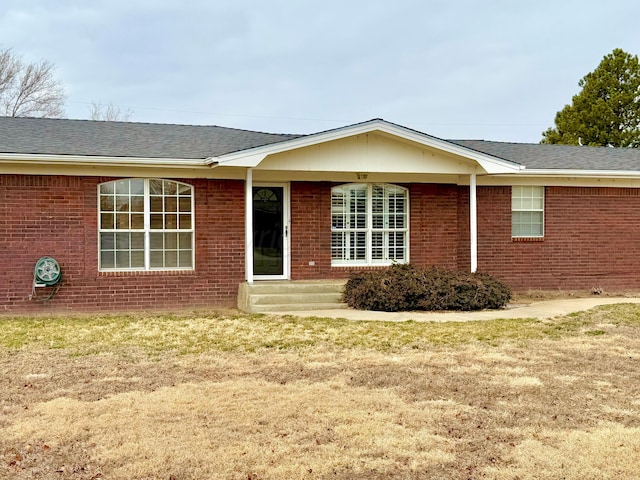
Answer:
(286, 242)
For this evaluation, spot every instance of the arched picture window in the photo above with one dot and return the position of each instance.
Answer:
(145, 224)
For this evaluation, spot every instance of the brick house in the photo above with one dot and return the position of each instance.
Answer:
(167, 216)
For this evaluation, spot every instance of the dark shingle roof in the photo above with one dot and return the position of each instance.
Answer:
(124, 139)
(554, 157)
(148, 140)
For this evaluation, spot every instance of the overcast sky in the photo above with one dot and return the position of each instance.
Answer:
(493, 70)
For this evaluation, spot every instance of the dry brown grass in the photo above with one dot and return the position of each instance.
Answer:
(151, 397)
(530, 296)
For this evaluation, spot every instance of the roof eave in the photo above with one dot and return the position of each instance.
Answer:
(550, 172)
(40, 159)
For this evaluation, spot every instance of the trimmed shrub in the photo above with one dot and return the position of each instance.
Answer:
(407, 287)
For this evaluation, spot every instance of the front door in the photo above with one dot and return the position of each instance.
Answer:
(270, 232)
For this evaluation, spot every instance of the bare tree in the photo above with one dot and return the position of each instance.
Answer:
(110, 112)
(29, 89)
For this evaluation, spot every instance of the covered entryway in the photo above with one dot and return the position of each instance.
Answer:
(360, 157)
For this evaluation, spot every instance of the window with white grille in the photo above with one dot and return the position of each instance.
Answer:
(369, 224)
(145, 224)
(527, 212)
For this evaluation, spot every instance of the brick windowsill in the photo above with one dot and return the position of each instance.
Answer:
(135, 273)
(527, 239)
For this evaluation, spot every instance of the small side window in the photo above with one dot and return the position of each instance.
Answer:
(527, 212)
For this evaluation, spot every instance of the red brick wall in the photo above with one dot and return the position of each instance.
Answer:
(592, 235)
(434, 225)
(57, 216)
(433, 228)
(592, 239)
(311, 231)
(464, 236)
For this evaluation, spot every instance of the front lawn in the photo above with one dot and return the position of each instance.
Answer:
(223, 395)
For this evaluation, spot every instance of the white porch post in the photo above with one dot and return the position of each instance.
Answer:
(473, 222)
(248, 226)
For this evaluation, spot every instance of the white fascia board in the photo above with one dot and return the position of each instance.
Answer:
(253, 156)
(489, 163)
(580, 173)
(39, 159)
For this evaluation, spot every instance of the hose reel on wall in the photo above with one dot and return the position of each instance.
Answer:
(46, 273)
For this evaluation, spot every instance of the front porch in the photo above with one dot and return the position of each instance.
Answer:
(357, 197)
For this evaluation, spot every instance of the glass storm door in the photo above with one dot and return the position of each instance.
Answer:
(270, 232)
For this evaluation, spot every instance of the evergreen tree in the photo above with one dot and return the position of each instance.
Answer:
(606, 112)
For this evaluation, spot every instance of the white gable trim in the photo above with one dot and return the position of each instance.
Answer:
(251, 158)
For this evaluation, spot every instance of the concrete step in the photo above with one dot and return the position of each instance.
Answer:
(331, 286)
(262, 297)
(302, 307)
(289, 298)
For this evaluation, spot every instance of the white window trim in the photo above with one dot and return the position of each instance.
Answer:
(541, 210)
(147, 230)
(369, 261)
